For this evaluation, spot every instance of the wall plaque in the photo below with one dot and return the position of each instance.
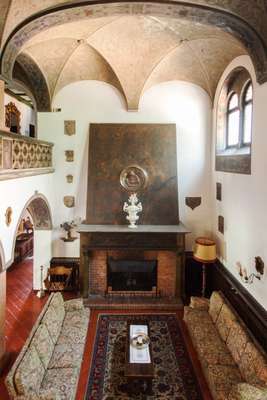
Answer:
(219, 191)
(133, 178)
(193, 202)
(69, 128)
(69, 178)
(69, 201)
(221, 224)
(69, 154)
(8, 216)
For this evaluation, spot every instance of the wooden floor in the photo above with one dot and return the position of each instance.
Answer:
(23, 308)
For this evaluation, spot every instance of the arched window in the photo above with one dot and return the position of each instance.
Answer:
(247, 114)
(233, 115)
(234, 123)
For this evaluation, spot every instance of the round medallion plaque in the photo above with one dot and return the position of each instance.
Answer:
(133, 178)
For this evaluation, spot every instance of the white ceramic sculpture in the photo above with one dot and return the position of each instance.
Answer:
(132, 209)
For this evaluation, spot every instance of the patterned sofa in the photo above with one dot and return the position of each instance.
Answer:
(48, 366)
(234, 364)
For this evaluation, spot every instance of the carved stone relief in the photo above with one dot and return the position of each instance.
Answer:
(69, 155)
(69, 178)
(69, 127)
(8, 216)
(133, 178)
(69, 201)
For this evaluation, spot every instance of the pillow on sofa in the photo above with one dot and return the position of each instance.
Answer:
(237, 340)
(57, 303)
(43, 344)
(225, 321)
(216, 303)
(53, 322)
(30, 373)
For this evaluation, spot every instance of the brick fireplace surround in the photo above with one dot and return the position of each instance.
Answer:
(166, 244)
(166, 269)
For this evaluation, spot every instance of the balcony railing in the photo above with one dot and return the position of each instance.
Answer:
(24, 156)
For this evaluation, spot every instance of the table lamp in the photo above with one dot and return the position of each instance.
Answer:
(204, 252)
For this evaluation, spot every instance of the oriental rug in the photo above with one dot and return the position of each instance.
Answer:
(174, 375)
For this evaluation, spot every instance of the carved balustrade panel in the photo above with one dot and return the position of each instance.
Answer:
(20, 153)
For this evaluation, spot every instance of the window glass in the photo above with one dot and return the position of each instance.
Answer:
(233, 128)
(248, 95)
(233, 103)
(247, 123)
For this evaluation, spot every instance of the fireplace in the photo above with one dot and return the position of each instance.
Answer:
(113, 257)
(132, 276)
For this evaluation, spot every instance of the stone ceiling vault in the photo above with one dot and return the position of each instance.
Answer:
(131, 46)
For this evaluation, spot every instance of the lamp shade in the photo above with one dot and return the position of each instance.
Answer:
(205, 250)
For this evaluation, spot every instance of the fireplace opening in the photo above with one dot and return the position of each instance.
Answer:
(132, 276)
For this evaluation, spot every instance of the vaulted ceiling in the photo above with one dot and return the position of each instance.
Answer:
(50, 43)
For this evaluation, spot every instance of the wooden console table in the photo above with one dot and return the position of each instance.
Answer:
(120, 237)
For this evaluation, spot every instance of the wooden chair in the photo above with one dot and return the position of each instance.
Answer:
(58, 278)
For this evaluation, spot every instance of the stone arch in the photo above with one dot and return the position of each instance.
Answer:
(208, 14)
(40, 211)
(29, 74)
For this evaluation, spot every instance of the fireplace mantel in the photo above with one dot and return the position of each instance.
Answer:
(120, 237)
(179, 228)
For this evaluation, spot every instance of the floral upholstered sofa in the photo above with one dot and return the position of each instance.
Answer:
(234, 364)
(48, 366)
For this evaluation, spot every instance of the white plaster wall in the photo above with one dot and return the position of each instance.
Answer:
(15, 193)
(182, 103)
(244, 197)
(27, 114)
(42, 256)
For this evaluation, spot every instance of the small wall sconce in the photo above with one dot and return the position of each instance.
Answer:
(259, 266)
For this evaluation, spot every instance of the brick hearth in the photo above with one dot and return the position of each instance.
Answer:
(166, 273)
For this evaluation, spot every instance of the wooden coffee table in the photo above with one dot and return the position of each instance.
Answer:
(139, 375)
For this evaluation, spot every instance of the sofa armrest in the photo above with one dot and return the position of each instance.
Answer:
(245, 391)
(73, 305)
(201, 303)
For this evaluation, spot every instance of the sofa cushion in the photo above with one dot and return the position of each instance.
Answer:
(43, 344)
(74, 328)
(212, 350)
(221, 379)
(237, 340)
(71, 335)
(244, 391)
(57, 303)
(67, 356)
(225, 321)
(253, 365)
(195, 317)
(216, 303)
(74, 304)
(78, 319)
(201, 303)
(53, 322)
(61, 380)
(30, 373)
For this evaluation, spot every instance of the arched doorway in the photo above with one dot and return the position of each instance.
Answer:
(34, 236)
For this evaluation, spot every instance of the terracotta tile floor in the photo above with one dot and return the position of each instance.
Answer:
(23, 308)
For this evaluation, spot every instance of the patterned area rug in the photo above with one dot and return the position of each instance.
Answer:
(174, 376)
